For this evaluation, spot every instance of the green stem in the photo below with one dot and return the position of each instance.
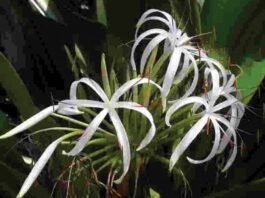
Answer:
(163, 136)
(79, 123)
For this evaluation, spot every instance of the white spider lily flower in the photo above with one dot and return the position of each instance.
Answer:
(235, 113)
(42, 161)
(108, 106)
(237, 109)
(210, 113)
(175, 41)
(30, 121)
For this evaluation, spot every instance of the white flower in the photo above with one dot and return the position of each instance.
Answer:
(228, 91)
(210, 113)
(108, 106)
(175, 41)
(70, 107)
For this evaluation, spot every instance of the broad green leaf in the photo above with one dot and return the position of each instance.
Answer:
(213, 14)
(250, 79)
(18, 93)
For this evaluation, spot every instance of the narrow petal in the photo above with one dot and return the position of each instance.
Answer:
(227, 136)
(124, 143)
(234, 151)
(181, 75)
(42, 161)
(230, 101)
(171, 71)
(215, 145)
(137, 107)
(70, 107)
(187, 140)
(231, 81)
(139, 39)
(148, 49)
(30, 121)
(81, 103)
(211, 63)
(215, 79)
(155, 18)
(128, 85)
(92, 84)
(196, 75)
(183, 102)
(88, 133)
(151, 11)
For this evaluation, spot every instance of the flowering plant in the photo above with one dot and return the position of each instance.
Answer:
(165, 69)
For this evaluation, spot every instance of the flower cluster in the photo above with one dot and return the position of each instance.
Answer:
(218, 101)
(219, 104)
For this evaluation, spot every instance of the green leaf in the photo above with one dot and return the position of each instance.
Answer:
(80, 56)
(19, 95)
(153, 193)
(250, 79)
(101, 12)
(104, 75)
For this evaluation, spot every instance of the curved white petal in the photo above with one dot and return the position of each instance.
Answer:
(128, 85)
(151, 11)
(92, 84)
(215, 80)
(82, 103)
(137, 107)
(211, 63)
(215, 145)
(230, 101)
(124, 143)
(234, 151)
(183, 102)
(240, 112)
(38, 167)
(171, 70)
(181, 75)
(231, 81)
(155, 18)
(227, 136)
(70, 107)
(30, 121)
(88, 133)
(187, 140)
(148, 49)
(196, 75)
(139, 39)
